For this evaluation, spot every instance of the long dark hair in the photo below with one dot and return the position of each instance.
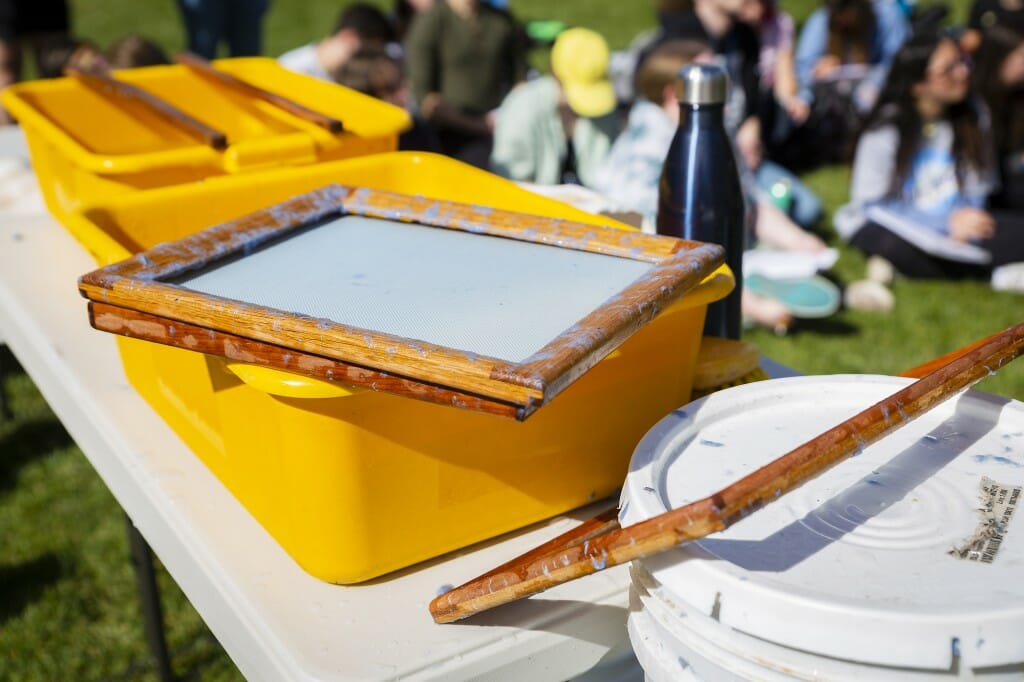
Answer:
(1005, 106)
(851, 29)
(896, 107)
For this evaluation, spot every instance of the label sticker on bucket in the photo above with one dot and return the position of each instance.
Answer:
(998, 502)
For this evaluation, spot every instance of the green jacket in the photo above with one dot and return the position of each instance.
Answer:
(471, 64)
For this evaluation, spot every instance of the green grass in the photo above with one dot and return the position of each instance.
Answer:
(68, 609)
(930, 318)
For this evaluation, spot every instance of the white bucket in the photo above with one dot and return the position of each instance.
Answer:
(850, 576)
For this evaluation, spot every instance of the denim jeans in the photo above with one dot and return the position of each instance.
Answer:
(805, 208)
(237, 22)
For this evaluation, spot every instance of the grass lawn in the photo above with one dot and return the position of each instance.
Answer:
(68, 609)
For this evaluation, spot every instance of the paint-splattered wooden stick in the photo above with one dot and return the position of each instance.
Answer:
(201, 66)
(109, 86)
(532, 574)
(593, 527)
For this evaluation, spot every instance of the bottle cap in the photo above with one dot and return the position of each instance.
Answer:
(702, 84)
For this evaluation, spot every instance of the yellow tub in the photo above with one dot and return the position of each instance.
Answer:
(87, 147)
(355, 483)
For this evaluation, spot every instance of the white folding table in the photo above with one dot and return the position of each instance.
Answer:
(275, 621)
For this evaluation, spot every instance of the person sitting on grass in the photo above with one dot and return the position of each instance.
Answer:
(842, 57)
(923, 171)
(557, 129)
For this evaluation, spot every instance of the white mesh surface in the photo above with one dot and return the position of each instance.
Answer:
(480, 294)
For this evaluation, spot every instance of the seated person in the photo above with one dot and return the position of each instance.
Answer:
(842, 56)
(861, 34)
(557, 129)
(359, 25)
(922, 174)
(374, 72)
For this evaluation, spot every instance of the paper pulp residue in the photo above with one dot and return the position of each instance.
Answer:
(998, 504)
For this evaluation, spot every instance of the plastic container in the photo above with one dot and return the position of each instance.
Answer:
(856, 575)
(355, 483)
(87, 147)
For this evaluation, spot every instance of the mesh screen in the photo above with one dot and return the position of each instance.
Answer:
(484, 295)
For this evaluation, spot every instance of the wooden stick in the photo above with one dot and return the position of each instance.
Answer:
(292, 107)
(533, 574)
(109, 86)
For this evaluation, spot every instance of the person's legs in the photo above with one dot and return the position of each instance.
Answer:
(909, 260)
(243, 25)
(774, 228)
(805, 206)
(1007, 244)
(204, 25)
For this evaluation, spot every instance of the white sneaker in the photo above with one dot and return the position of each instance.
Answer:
(867, 294)
(1009, 278)
(880, 270)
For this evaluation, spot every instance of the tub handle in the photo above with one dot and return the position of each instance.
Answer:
(204, 68)
(289, 384)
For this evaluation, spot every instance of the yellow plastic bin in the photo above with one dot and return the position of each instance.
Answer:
(87, 146)
(355, 483)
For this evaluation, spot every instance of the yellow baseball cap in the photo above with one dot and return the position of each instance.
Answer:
(579, 60)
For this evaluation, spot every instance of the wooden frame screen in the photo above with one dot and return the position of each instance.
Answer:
(138, 298)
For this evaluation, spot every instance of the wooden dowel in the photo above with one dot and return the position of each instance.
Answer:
(593, 527)
(532, 573)
(204, 68)
(111, 87)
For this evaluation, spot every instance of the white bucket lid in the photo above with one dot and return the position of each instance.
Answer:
(856, 563)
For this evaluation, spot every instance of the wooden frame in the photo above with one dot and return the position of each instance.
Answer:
(136, 298)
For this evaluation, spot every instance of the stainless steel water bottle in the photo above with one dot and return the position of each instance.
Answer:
(699, 195)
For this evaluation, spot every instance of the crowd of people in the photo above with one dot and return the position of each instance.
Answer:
(932, 119)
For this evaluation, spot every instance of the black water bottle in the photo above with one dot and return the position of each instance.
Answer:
(699, 196)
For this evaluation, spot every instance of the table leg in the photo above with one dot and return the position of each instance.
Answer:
(149, 601)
